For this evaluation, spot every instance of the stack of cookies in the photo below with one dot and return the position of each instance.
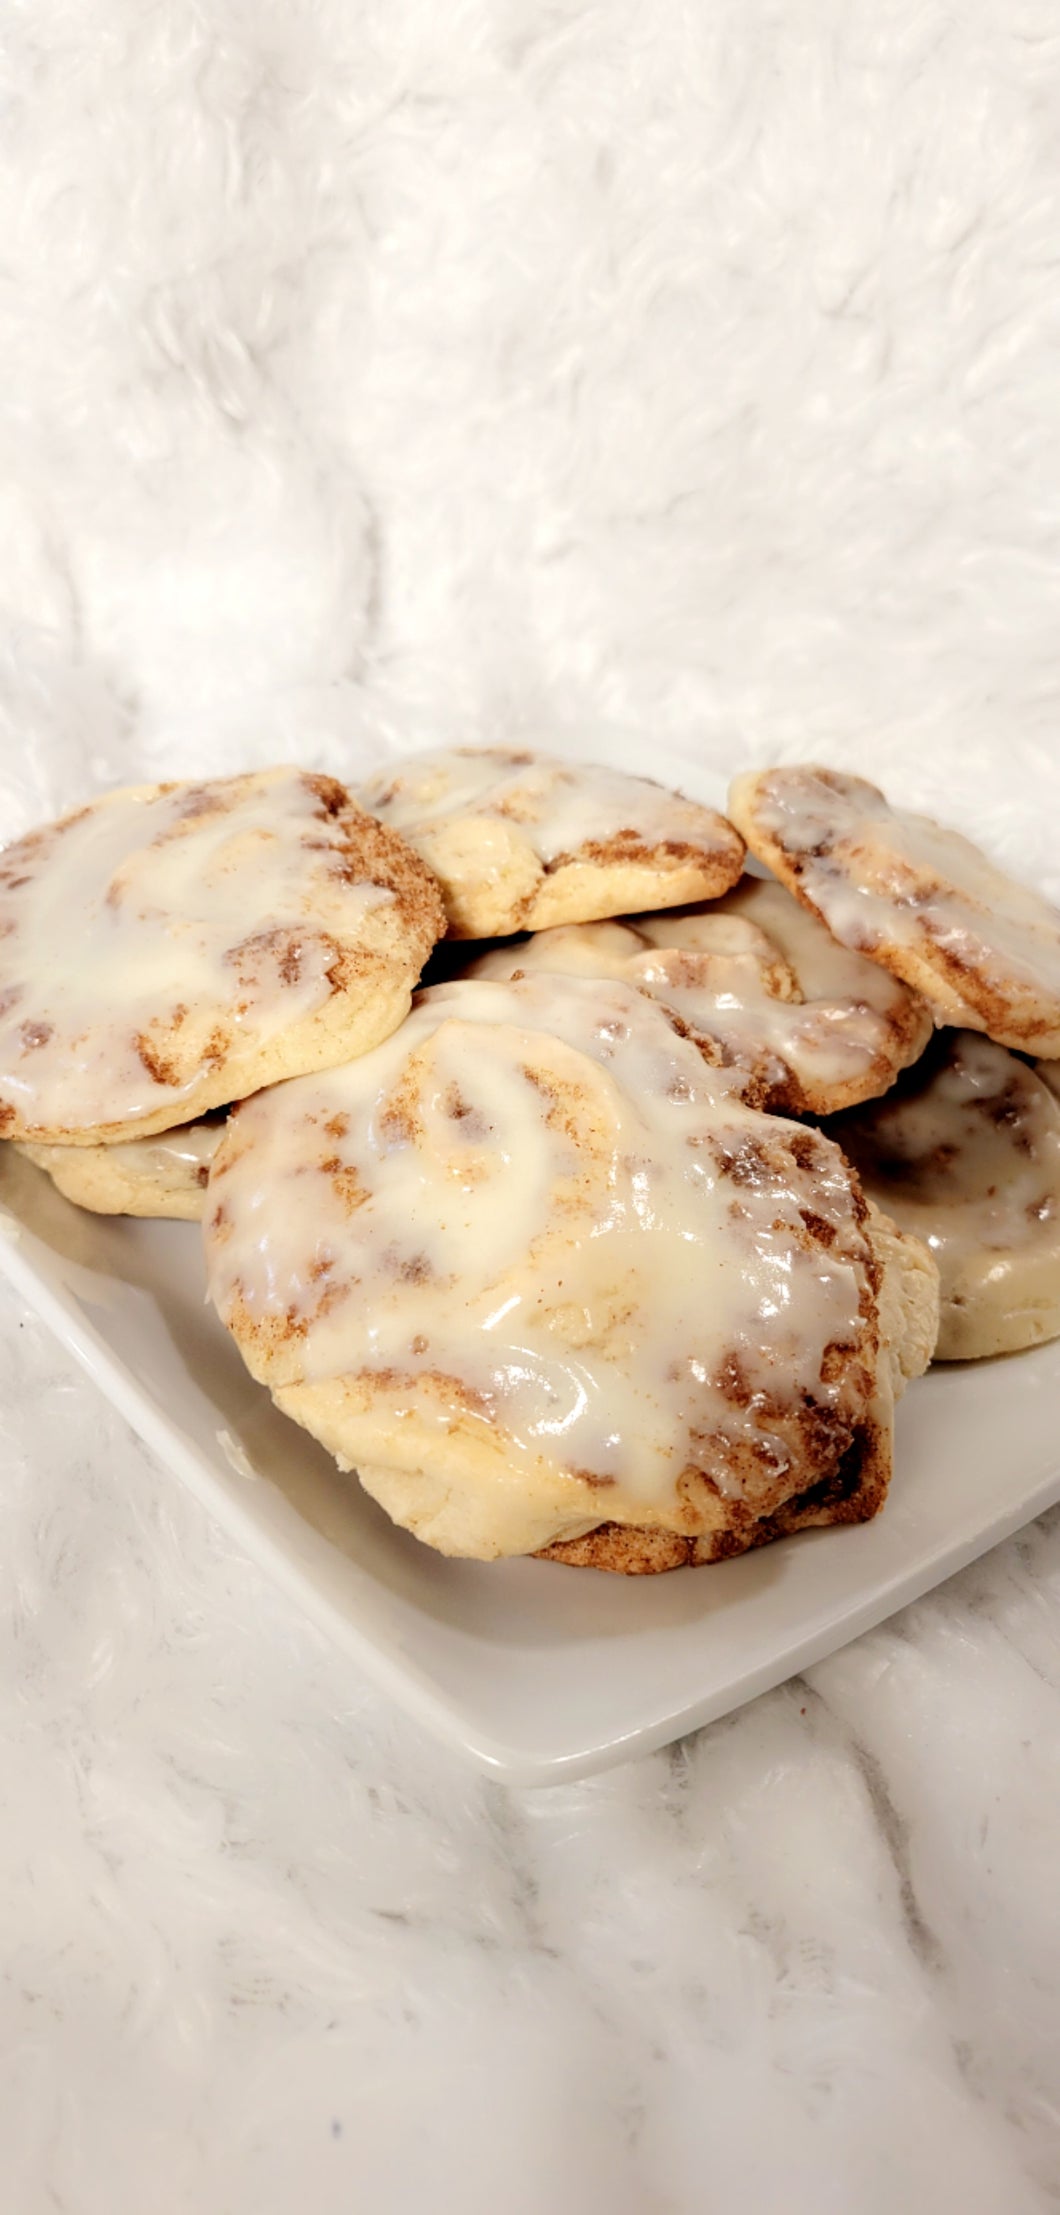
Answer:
(618, 1240)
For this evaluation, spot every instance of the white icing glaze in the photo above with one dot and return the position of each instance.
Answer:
(150, 902)
(537, 1194)
(760, 979)
(558, 806)
(181, 1152)
(881, 875)
(966, 1153)
(163, 1175)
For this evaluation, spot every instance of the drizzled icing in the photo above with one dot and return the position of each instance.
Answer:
(531, 1211)
(559, 806)
(966, 1153)
(796, 1019)
(145, 936)
(188, 1149)
(518, 839)
(890, 882)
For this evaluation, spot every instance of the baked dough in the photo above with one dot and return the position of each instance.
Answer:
(917, 897)
(966, 1154)
(802, 1025)
(529, 1271)
(169, 948)
(519, 841)
(162, 1176)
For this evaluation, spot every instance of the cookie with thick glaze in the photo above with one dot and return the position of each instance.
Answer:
(519, 841)
(529, 1270)
(802, 1025)
(169, 948)
(921, 899)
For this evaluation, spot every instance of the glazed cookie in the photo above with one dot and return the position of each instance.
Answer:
(164, 1176)
(529, 1272)
(917, 897)
(520, 842)
(966, 1154)
(169, 948)
(803, 1025)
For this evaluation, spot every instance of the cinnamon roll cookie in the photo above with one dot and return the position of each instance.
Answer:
(169, 948)
(920, 899)
(803, 1025)
(535, 1277)
(519, 841)
(162, 1176)
(966, 1153)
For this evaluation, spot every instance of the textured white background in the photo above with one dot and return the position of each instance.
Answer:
(381, 370)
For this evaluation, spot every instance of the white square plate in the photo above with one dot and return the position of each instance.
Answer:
(537, 1671)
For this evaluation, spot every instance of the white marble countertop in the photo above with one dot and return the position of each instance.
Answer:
(381, 373)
